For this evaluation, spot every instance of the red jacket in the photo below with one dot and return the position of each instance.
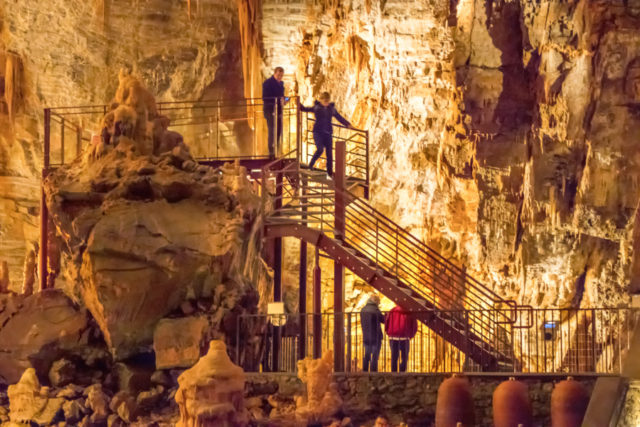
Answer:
(400, 324)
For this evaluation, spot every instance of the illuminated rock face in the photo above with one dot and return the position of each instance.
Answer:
(503, 133)
(499, 130)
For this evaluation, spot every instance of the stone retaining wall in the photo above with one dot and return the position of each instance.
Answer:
(409, 398)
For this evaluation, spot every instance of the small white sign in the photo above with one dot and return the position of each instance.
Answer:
(275, 308)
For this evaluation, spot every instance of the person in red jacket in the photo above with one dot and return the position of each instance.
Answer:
(401, 327)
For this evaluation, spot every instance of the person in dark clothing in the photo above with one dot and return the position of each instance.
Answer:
(273, 101)
(371, 318)
(324, 111)
(401, 327)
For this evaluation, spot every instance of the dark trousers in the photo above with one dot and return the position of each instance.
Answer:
(275, 132)
(324, 142)
(399, 347)
(371, 354)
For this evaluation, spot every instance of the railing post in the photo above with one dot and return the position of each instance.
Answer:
(44, 212)
(377, 243)
(338, 269)
(397, 233)
(349, 359)
(366, 190)
(62, 140)
(317, 308)
(302, 300)
(238, 341)
(277, 256)
(217, 128)
(298, 131)
(44, 235)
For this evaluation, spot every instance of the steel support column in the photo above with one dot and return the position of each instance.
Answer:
(302, 289)
(338, 269)
(43, 271)
(302, 301)
(277, 277)
(44, 212)
(317, 308)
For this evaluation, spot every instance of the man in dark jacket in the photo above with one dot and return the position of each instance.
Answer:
(371, 318)
(401, 327)
(273, 101)
(324, 111)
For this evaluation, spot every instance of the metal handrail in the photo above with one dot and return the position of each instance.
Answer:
(559, 342)
(431, 277)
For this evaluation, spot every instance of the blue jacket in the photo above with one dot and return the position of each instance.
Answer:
(324, 115)
(271, 88)
(371, 318)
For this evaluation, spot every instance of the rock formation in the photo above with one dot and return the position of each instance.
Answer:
(145, 233)
(4, 277)
(29, 402)
(211, 393)
(29, 273)
(322, 400)
(37, 330)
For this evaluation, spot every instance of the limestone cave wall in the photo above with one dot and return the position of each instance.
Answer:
(502, 132)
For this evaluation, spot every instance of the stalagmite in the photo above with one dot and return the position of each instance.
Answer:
(211, 393)
(29, 272)
(13, 84)
(322, 400)
(30, 402)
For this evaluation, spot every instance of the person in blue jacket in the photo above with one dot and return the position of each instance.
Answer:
(324, 111)
(272, 96)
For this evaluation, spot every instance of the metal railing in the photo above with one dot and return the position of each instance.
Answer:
(304, 198)
(557, 341)
(213, 129)
(356, 148)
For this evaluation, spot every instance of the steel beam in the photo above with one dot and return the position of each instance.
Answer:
(317, 308)
(338, 268)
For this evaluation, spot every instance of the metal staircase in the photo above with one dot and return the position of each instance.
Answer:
(391, 260)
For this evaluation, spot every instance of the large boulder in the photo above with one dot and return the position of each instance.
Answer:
(37, 330)
(145, 233)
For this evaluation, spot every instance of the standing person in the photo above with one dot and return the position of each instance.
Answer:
(371, 318)
(401, 327)
(325, 111)
(273, 99)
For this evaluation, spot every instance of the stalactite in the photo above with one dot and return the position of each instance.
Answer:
(100, 14)
(13, 84)
(189, 7)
